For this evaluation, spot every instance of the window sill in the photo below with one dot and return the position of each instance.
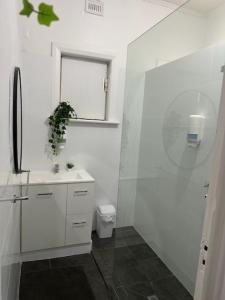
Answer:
(110, 123)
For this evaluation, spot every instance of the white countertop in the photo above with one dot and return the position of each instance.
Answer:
(9, 179)
(48, 177)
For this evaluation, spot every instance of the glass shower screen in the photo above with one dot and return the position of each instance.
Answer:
(173, 90)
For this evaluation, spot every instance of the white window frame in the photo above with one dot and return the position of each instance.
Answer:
(60, 50)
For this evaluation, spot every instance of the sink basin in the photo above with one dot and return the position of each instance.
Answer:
(47, 177)
(64, 176)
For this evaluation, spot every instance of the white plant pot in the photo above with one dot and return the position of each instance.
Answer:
(61, 146)
(65, 136)
(63, 142)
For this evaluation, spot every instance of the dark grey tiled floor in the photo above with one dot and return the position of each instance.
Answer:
(68, 266)
(133, 271)
(56, 284)
(120, 268)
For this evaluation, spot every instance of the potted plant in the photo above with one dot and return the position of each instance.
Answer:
(69, 166)
(58, 122)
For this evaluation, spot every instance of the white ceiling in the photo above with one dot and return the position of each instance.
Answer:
(200, 5)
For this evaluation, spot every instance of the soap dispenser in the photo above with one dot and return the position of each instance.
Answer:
(195, 130)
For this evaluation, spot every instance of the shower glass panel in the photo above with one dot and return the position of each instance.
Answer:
(173, 90)
(173, 175)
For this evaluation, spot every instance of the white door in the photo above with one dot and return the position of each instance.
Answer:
(210, 283)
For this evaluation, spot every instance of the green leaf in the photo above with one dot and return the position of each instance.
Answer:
(46, 14)
(27, 8)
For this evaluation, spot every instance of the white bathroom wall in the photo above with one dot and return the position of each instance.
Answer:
(94, 147)
(215, 24)
(9, 213)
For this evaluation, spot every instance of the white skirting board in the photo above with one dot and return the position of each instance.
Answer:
(56, 252)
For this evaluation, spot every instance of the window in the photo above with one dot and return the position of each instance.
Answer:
(84, 83)
(86, 80)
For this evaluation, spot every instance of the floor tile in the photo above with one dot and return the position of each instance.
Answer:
(30, 279)
(124, 294)
(170, 289)
(113, 295)
(35, 266)
(142, 251)
(134, 240)
(106, 243)
(74, 260)
(57, 284)
(153, 297)
(153, 268)
(99, 290)
(131, 271)
(125, 232)
(109, 259)
(128, 275)
(125, 228)
(92, 273)
(143, 289)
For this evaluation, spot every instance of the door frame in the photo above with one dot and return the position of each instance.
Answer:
(207, 286)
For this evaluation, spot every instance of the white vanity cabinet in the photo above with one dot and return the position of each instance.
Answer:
(57, 214)
(43, 217)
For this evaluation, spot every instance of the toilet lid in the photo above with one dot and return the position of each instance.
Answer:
(106, 209)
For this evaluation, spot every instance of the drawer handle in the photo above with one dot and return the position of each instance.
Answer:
(45, 194)
(82, 223)
(80, 193)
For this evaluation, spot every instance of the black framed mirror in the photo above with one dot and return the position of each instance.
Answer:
(17, 121)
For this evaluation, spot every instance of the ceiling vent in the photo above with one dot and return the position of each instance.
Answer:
(95, 7)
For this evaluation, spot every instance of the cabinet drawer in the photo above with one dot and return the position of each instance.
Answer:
(80, 198)
(78, 229)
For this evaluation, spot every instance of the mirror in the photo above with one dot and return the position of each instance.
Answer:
(17, 120)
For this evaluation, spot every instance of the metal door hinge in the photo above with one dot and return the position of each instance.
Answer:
(204, 253)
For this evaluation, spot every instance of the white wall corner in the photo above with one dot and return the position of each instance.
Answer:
(164, 3)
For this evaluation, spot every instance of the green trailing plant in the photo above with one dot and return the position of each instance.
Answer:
(58, 122)
(45, 13)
